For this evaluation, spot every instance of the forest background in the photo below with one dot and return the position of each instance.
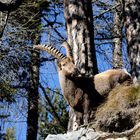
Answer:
(28, 77)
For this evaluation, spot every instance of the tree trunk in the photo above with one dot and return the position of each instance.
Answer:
(118, 26)
(33, 97)
(33, 93)
(132, 24)
(79, 24)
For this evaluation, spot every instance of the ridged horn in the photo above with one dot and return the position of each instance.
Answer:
(66, 45)
(51, 50)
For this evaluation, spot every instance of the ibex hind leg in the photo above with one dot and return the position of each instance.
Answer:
(78, 120)
(86, 110)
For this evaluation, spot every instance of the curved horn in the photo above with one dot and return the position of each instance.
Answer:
(68, 49)
(52, 50)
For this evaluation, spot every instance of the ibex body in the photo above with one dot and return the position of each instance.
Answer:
(104, 82)
(83, 93)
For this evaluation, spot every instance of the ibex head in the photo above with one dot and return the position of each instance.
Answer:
(68, 67)
(65, 63)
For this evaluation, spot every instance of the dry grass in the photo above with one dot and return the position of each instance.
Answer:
(136, 135)
(121, 111)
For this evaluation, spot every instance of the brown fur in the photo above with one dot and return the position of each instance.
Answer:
(78, 91)
(106, 81)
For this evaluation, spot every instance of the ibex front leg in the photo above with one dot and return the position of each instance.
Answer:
(86, 109)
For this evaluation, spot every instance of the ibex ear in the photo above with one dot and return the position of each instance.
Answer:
(70, 59)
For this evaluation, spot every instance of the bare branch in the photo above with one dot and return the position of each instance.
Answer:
(50, 104)
(103, 12)
(6, 21)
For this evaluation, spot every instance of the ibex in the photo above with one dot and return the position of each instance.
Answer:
(74, 90)
(83, 93)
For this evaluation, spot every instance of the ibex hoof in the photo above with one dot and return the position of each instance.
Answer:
(75, 126)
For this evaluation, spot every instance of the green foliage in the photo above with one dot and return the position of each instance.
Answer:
(10, 134)
(42, 4)
(6, 92)
(48, 123)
